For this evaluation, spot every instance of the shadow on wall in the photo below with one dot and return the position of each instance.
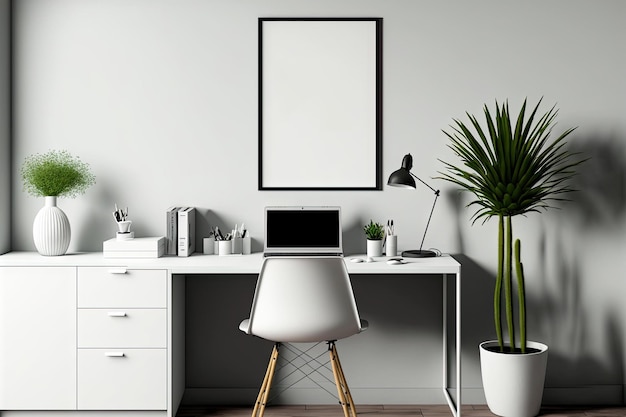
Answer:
(477, 296)
(598, 206)
(559, 316)
(99, 225)
(476, 287)
(601, 183)
(476, 312)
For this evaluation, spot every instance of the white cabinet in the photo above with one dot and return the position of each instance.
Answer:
(38, 338)
(122, 339)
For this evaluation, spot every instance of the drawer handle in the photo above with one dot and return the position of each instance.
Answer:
(117, 271)
(117, 314)
(114, 354)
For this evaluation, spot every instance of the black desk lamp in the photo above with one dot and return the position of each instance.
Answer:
(404, 178)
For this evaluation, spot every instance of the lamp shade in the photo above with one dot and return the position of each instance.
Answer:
(402, 177)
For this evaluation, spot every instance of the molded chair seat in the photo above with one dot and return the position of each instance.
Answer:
(304, 299)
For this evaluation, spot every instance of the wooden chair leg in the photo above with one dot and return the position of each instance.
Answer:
(347, 393)
(261, 400)
(345, 398)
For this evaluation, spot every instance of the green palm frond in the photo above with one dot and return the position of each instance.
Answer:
(510, 168)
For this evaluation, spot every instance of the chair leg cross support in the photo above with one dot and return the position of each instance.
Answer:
(345, 398)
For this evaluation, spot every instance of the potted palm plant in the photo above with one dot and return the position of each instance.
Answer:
(511, 170)
(51, 175)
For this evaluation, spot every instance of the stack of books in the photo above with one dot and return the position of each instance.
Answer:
(180, 237)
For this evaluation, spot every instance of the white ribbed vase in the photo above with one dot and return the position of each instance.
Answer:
(51, 229)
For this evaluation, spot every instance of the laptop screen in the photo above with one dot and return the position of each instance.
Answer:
(303, 230)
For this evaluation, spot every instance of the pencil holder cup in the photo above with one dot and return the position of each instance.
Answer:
(123, 230)
(391, 245)
(238, 245)
(208, 245)
(225, 247)
(247, 245)
(124, 226)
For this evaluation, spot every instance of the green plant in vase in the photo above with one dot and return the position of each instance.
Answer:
(56, 173)
(512, 168)
(51, 175)
(375, 232)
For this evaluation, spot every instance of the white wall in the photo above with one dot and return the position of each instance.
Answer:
(5, 126)
(160, 98)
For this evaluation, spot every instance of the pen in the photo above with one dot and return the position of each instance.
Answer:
(120, 215)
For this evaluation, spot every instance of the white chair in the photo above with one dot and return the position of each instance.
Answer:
(304, 299)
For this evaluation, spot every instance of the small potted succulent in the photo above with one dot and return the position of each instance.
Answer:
(51, 175)
(375, 233)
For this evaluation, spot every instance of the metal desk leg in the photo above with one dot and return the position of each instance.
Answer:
(455, 408)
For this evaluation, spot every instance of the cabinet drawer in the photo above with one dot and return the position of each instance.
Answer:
(122, 379)
(122, 328)
(119, 287)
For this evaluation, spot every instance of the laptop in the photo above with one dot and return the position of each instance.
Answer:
(296, 230)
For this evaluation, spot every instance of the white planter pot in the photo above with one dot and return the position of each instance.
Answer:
(513, 382)
(51, 229)
(374, 247)
(124, 226)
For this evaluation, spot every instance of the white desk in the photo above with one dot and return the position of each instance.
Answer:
(236, 264)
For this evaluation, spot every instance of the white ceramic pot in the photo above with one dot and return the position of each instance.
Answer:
(513, 382)
(374, 247)
(51, 229)
(124, 226)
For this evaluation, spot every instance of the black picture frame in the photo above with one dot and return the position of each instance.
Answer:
(320, 103)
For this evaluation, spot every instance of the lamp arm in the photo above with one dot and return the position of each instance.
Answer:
(420, 180)
(431, 210)
(429, 217)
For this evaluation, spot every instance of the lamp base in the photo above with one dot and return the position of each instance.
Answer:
(418, 253)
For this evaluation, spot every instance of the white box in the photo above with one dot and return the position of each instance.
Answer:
(139, 247)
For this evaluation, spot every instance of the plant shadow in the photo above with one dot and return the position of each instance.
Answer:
(600, 199)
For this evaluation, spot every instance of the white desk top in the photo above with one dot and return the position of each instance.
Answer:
(234, 264)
